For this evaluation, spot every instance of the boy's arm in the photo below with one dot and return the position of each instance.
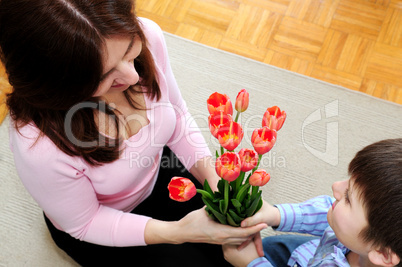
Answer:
(260, 262)
(308, 217)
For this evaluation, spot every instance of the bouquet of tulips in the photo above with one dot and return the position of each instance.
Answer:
(237, 198)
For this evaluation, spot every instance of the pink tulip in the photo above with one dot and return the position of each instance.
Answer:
(259, 178)
(219, 103)
(248, 158)
(216, 120)
(263, 139)
(228, 166)
(274, 118)
(242, 100)
(181, 189)
(230, 135)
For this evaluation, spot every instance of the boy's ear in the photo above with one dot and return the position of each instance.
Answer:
(383, 257)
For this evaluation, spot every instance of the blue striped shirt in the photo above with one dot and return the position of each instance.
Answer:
(310, 217)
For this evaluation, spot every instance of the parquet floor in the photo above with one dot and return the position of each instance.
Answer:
(353, 43)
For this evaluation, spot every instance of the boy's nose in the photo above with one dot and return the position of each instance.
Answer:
(338, 188)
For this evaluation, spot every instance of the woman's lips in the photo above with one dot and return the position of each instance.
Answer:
(118, 85)
(333, 205)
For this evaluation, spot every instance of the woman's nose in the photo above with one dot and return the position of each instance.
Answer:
(128, 73)
(338, 188)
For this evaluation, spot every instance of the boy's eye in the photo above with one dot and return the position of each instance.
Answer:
(347, 196)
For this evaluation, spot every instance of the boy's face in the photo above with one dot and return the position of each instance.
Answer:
(347, 216)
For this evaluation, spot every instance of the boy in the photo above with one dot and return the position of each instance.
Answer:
(361, 226)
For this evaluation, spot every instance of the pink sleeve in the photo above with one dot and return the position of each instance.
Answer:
(57, 183)
(187, 141)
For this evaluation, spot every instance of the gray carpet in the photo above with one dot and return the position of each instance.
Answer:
(326, 126)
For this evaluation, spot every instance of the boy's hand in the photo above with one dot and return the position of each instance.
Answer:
(240, 258)
(267, 214)
(257, 242)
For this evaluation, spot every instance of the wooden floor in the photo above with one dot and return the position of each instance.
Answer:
(353, 43)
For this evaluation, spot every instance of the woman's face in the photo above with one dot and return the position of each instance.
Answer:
(119, 71)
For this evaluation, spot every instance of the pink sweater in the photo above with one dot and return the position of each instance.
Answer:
(93, 203)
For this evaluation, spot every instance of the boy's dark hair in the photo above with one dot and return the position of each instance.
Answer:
(377, 173)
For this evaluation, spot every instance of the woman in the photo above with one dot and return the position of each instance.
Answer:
(97, 119)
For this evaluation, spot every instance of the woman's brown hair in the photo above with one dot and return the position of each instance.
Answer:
(52, 51)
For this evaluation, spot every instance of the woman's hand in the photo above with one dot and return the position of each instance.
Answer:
(198, 227)
(240, 257)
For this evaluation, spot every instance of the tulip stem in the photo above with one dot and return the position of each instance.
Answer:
(237, 116)
(258, 163)
(239, 180)
(226, 197)
(254, 190)
(205, 194)
(222, 150)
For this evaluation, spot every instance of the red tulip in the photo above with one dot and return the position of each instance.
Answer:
(248, 158)
(242, 100)
(230, 135)
(228, 166)
(274, 118)
(181, 189)
(259, 178)
(263, 139)
(219, 103)
(216, 120)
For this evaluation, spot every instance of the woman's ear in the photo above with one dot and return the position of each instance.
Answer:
(383, 257)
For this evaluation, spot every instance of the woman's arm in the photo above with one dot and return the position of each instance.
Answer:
(197, 227)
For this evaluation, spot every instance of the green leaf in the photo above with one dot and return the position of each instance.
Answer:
(248, 177)
(217, 196)
(231, 221)
(221, 185)
(250, 211)
(236, 203)
(240, 179)
(259, 205)
(221, 206)
(254, 194)
(243, 192)
(235, 217)
(247, 202)
(210, 205)
(207, 187)
(214, 209)
(205, 194)
(217, 154)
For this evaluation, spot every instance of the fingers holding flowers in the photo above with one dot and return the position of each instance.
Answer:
(198, 227)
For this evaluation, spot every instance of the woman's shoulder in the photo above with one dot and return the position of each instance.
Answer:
(150, 27)
(156, 41)
(29, 144)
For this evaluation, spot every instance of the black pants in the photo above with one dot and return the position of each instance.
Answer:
(159, 206)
